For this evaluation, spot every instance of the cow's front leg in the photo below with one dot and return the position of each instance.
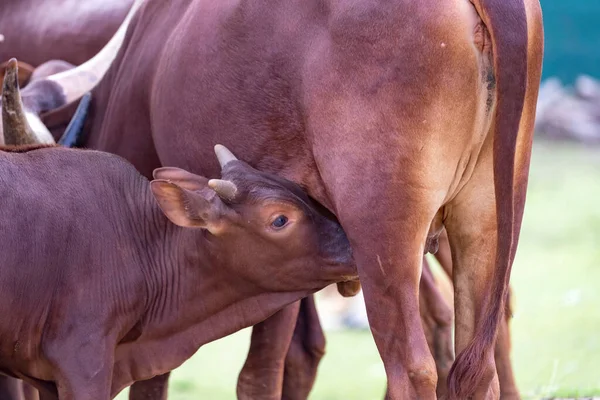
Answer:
(29, 392)
(10, 388)
(151, 389)
(261, 377)
(304, 354)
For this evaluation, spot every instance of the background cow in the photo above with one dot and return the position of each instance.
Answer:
(37, 31)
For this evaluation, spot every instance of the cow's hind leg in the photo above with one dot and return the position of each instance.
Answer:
(508, 386)
(470, 220)
(82, 384)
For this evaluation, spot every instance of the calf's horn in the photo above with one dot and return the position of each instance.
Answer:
(225, 189)
(14, 120)
(224, 155)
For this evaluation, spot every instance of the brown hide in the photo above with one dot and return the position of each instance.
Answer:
(125, 286)
(37, 31)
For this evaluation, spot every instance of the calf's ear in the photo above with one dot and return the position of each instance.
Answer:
(186, 208)
(181, 177)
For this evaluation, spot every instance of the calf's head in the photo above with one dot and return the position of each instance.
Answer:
(258, 226)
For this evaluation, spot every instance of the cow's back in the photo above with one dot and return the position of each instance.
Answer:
(36, 31)
(239, 73)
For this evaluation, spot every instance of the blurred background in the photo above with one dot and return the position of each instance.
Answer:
(556, 276)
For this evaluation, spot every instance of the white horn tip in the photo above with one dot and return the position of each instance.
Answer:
(12, 63)
(224, 155)
(225, 189)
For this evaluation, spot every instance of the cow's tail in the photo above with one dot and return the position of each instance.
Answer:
(506, 21)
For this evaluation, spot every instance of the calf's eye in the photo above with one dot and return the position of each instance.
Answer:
(279, 222)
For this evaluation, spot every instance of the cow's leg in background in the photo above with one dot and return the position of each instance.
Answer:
(437, 317)
(473, 225)
(284, 355)
(261, 377)
(508, 386)
(30, 393)
(304, 354)
(10, 388)
(491, 205)
(152, 389)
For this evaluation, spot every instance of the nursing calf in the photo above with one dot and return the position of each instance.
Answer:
(119, 279)
(101, 290)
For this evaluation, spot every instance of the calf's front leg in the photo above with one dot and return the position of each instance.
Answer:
(83, 364)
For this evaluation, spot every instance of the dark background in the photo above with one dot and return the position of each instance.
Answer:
(572, 38)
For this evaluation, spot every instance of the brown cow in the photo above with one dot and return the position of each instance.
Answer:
(123, 285)
(313, 342)
(400, 117)
(37, 31)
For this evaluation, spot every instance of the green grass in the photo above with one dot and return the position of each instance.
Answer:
(556, 275)
(556, 281)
